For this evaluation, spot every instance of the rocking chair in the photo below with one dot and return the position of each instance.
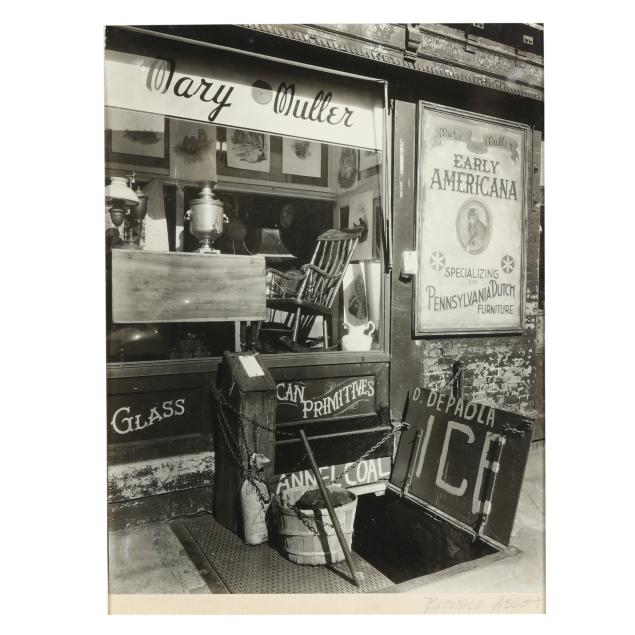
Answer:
(305, 295)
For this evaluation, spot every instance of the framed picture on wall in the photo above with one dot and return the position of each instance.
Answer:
(301, 157)
(346, 167)
(192, 151)
(248, 150)
(369, 163)
(137, 141)
(361, 213)
(263, 158)
(355, 296)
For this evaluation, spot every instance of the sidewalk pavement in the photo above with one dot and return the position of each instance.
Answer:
(151, 559)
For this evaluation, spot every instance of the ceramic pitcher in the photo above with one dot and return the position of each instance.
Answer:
(357, 338)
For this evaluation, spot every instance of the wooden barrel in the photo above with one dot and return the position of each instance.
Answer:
(307, 535)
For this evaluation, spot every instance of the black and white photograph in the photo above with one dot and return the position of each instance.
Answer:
(301, 378)
(265, 435)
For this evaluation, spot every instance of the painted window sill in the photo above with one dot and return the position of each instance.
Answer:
(210, 364)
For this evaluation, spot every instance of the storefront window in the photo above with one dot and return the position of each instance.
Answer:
(311, 207)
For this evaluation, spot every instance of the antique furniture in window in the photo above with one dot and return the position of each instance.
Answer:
(309, 294)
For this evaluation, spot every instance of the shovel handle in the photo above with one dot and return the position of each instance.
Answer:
(329, 507)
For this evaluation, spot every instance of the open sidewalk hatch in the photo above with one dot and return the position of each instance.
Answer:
(453, 489)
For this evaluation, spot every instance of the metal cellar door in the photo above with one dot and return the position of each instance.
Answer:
(465, 459)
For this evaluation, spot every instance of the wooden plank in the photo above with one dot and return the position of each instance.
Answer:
(238, 371)
(403, 348)
(159, 476)
(150, 286)
(331, 450)
(139, 511)
(169, 447)
(255, 399)
(334, 359)
(315, 427)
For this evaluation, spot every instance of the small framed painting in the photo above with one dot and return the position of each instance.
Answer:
(355, 296)
(361, 214)
(369, 163)
(248, 150)
(301, 157)
(346, 167)
(137, 140)
(193, 151)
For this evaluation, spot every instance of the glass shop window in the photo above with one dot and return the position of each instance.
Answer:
(312, 209)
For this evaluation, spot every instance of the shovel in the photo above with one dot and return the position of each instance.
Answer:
(329, 506)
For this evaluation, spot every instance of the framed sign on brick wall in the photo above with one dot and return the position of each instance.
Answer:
(472, 193)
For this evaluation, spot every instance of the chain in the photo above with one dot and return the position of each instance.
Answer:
(220, 398)
(230, 442)
(303, 518)
(249, 473)
(447, 383)
(379, 443)
(252, 469)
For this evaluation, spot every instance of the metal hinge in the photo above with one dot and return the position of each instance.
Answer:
(511, 431)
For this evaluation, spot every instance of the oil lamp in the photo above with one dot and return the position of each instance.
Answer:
(134, 221)
(128, 208)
